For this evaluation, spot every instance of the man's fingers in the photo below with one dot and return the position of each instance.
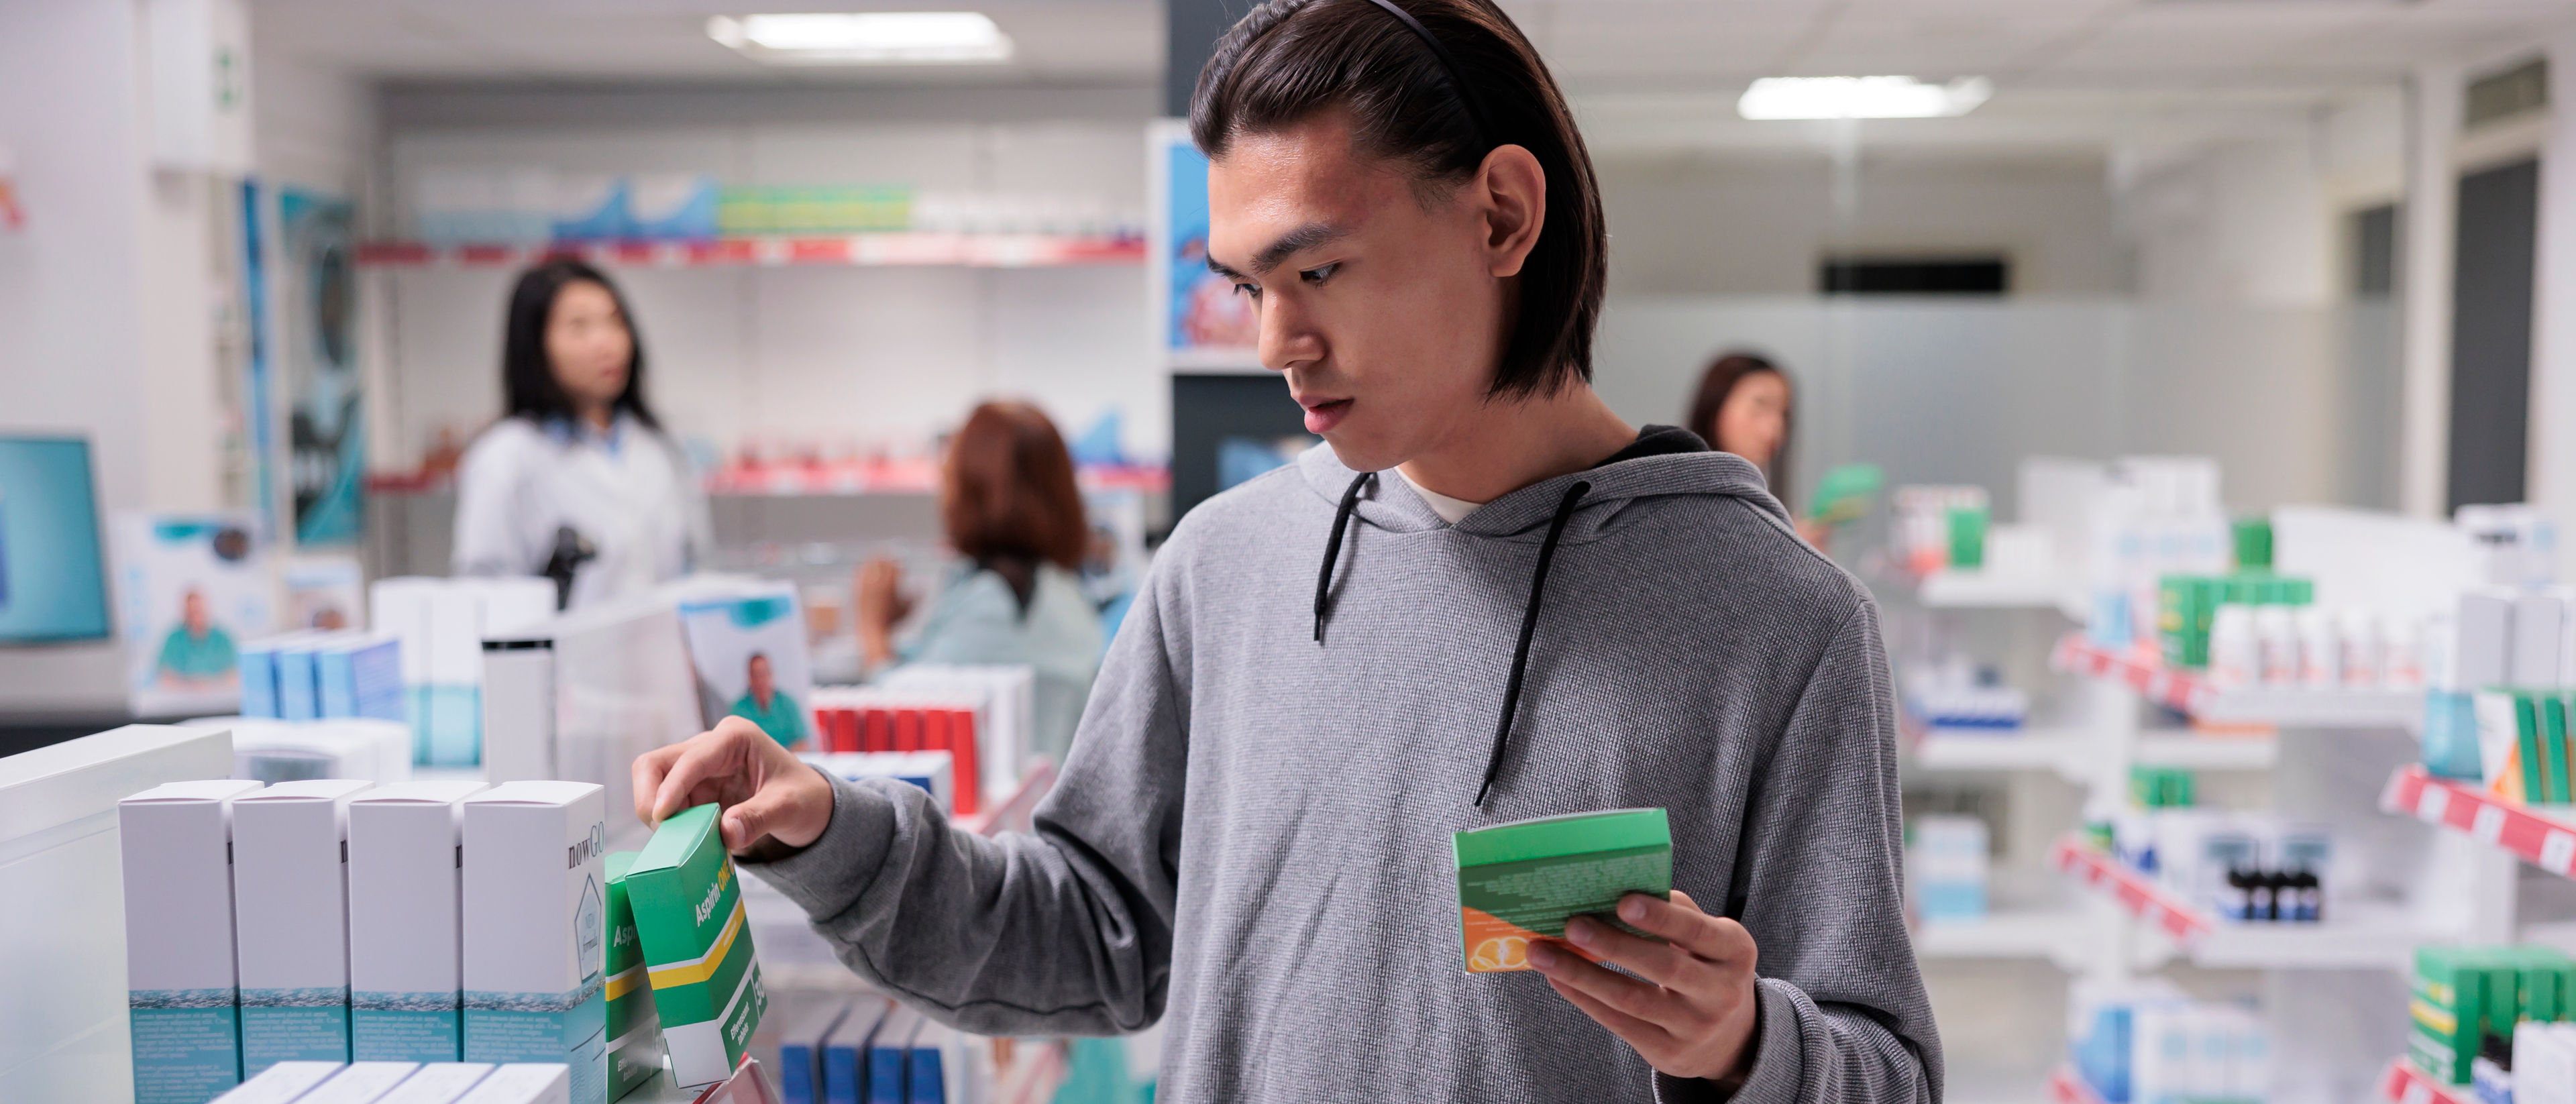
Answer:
(1646, 1037)
(1659, 962)
(1714, 938)
(745, 823)
(647, 775)
(705, 757)
(1641, 999)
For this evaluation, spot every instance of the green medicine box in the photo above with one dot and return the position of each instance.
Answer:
(634, 1031)
(697, 951)
(2446, 1009)
(1522, 881)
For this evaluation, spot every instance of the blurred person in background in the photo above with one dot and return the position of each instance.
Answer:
(577, 482)
(1008, 503)
(764, 704)
(1744, 406)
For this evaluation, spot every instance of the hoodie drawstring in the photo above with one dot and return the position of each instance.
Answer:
(1529, 627)
(1333, 548)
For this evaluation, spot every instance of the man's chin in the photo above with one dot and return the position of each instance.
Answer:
(1362, 455)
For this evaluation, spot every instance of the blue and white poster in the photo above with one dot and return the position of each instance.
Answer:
(1204, 323)
(192, 588)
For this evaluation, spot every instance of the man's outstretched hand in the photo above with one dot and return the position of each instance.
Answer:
(1695, 1013)
(765, 791)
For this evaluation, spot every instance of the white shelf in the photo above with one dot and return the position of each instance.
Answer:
(2072, 753)
(2283, 706)
(1948, 588)
(2370, 937)
(2056, 934)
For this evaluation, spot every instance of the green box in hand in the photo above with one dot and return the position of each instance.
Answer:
(634, 1031)
(688, 913)
(1522, 881)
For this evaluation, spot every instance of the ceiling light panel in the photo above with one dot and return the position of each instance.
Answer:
(1860, 98)
(864, 38)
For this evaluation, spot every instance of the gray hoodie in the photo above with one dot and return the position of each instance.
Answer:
(1250, 838)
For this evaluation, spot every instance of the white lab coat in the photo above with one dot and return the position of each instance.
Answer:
(630, 491)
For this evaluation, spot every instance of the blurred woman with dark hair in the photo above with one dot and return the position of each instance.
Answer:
(577, 482)
(1008, 503)
(1744, 406)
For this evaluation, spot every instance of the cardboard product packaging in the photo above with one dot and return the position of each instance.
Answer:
(280, 1083)
(258, 666)
(360, 1082)
(846, 1049)
(406, 892)
(274, 751)
(536, 931)
(706, 980)
(889, 1071)
(438, 1083)
(801, 1048)
(930, 770)
(1522, 881)
(940, 1067)
(519, 708)
(359, 675)
(290, 919)
(526, 1083)
(176, 842)
(634, 1030)
(299, 693)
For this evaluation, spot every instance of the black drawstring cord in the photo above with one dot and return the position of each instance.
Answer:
(1333, 548)
(1529, 627)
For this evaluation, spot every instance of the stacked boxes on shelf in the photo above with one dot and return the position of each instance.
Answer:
(976, 716)
(1946, 865)
(441, 624)
(535, 929)
(308, 675)
(406, 994)
(290, 921)
(182, 993)
(2145, 1042)
(865, 1049)
(405, 1083)
(634, 1029)
(2467, 1001)
(931, 770)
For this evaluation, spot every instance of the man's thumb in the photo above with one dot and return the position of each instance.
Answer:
(744, 824)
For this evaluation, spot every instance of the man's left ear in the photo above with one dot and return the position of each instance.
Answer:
(1512, 189)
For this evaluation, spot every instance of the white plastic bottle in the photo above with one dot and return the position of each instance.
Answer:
(2235, 655)
(2401, 665)
(2320, 647)
(2277, 634)
(2358, 633)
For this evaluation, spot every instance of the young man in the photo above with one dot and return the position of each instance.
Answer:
(1525, 608)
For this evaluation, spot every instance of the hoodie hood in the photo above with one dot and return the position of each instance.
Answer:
(1525, 514)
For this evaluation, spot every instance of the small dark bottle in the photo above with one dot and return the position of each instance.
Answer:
(2231, 905)
(2309, 894)
(2261, 903)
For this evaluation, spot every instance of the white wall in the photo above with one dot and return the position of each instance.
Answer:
(822, 357)
(71, 356)
(1755, 223)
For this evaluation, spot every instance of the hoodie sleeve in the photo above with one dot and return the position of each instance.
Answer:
(1818, 885)
(1064, 930)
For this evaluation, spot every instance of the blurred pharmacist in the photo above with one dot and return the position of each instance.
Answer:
(577, 482)
(1744, 407)
(1010, 509)
(764, 704)
(1483, 599)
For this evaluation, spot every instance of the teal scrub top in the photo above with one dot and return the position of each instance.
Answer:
(784, 720)
(189, 657)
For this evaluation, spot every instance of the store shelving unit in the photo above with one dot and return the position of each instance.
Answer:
(2192, 693)
(2058, 935)
(2404, 1084)
(2066, 751)
(2136, 894)
(2545, 838)
(864, 250)
(1948, 588)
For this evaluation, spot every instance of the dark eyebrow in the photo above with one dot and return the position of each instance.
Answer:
(1289, 244)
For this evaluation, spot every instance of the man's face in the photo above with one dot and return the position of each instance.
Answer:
(1384, 313)
(192, 612)
(760, 677)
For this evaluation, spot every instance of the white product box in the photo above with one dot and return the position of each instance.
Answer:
(360, 1082)
(406, 847)
(400, 607)
(930, 770)
(2540, 623)
(176, 840)
(2481, 652)
(438, 1083)
(1004, 728)
(290, 916)
(275, 751)
(455, 636)
(280, 1083)
(519, 708)
(535, 929)
(525, 1083)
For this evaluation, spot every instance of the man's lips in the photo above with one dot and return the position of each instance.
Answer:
(1323, 415)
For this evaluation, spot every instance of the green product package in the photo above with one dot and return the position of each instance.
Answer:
(689, 915)
(634, 1031)
(2185, 606)
(2298, 590)
(2448, 1001)
(2253, 542)
(2551, 711)
(2543, 982)
(2527, 744)
(1521, 881)
(1967, 536)
(1845, 491)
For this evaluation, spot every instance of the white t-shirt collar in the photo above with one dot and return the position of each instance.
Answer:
(1451, 510)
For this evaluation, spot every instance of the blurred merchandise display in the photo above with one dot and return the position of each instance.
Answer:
(1946, 868)
(2145, 1042)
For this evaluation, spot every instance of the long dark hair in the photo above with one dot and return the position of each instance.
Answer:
(1289, 60)
(528, 384)
(1717, 383)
